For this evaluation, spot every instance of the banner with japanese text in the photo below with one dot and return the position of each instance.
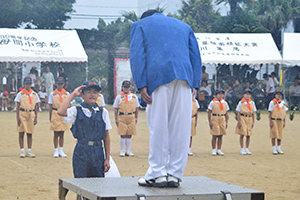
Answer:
(233, 48)
(33, 45)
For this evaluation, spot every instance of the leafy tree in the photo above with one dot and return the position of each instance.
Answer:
(9, 13)
(199, 14)
(234, 4)
(275, 14)
(240, 22)
(43, 14)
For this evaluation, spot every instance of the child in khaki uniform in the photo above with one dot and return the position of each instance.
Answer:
(57, 97)
(245, 120)
(100, 100)
(218, 121)
(126, 115)
(194, 120)
(26, 111)
(277, 114)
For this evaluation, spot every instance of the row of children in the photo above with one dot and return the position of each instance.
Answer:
(126, 114)
(218, 121)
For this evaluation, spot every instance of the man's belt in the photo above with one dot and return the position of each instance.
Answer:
(121, 113)
(219, 115)
(245, 115)
(54, 108)
(194, 115)
(279, 119)
(26, 110)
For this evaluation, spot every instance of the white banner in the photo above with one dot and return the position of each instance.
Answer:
(231, 48)
(32, 45)
(291, 49)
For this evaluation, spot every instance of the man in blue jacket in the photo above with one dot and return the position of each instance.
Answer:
(166, 67)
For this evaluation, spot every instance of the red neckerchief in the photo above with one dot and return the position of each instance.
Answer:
(28, 94)
(277, 102)
(126, 96)
(248, 102)
(221, 104)
(63, 91)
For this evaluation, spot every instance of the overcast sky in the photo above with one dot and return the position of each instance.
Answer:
(88, 12)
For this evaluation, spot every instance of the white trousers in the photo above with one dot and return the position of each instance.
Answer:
(169, 122)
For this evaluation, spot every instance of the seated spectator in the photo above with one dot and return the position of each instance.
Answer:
(43, 97)
(298, 77)
(4, 100)
(237, 92)
(204, 94)
(205, 88)
(247, 86)
(294, 94)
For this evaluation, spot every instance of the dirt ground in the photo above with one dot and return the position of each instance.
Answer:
(37, 178)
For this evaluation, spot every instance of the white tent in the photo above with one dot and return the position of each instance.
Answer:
(291, 49)
(233, 48)
(32, 45)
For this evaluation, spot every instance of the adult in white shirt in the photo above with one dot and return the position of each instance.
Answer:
(274, 78)
(33, 77)
(294, 94)
(49, 81)
(269, 89)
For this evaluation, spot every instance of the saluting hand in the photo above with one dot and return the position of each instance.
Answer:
(78, 90)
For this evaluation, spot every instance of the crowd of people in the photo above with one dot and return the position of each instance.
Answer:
(167, 89)
(262, 91)
(43, 85)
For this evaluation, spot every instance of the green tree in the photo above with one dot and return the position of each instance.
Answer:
(234, 4)
(275, 14)
(240, 22)
(43, 14)
(199, 14)
(9, 13)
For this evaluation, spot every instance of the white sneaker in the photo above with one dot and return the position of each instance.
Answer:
(220, 153)
(40, 109)
(214, 152)
(243, 152)
(55, 155)
(172, 181)
(2, 109)
(143, 182)
(190, 153)
(22, 155)
(122, 154)
(160, 182)
(62, 154)
(280, 151)
(129, 153)
(30, 154)
(275, 152)
(248, 152)
(5, 108)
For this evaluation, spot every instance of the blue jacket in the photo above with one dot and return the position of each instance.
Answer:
(163, 49)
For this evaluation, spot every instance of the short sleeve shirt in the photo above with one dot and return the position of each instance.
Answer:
(119, 99)
(19, 97)
(239, 106)
(271, 106)
(50, 101)
(72, 114)
(211, 104)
